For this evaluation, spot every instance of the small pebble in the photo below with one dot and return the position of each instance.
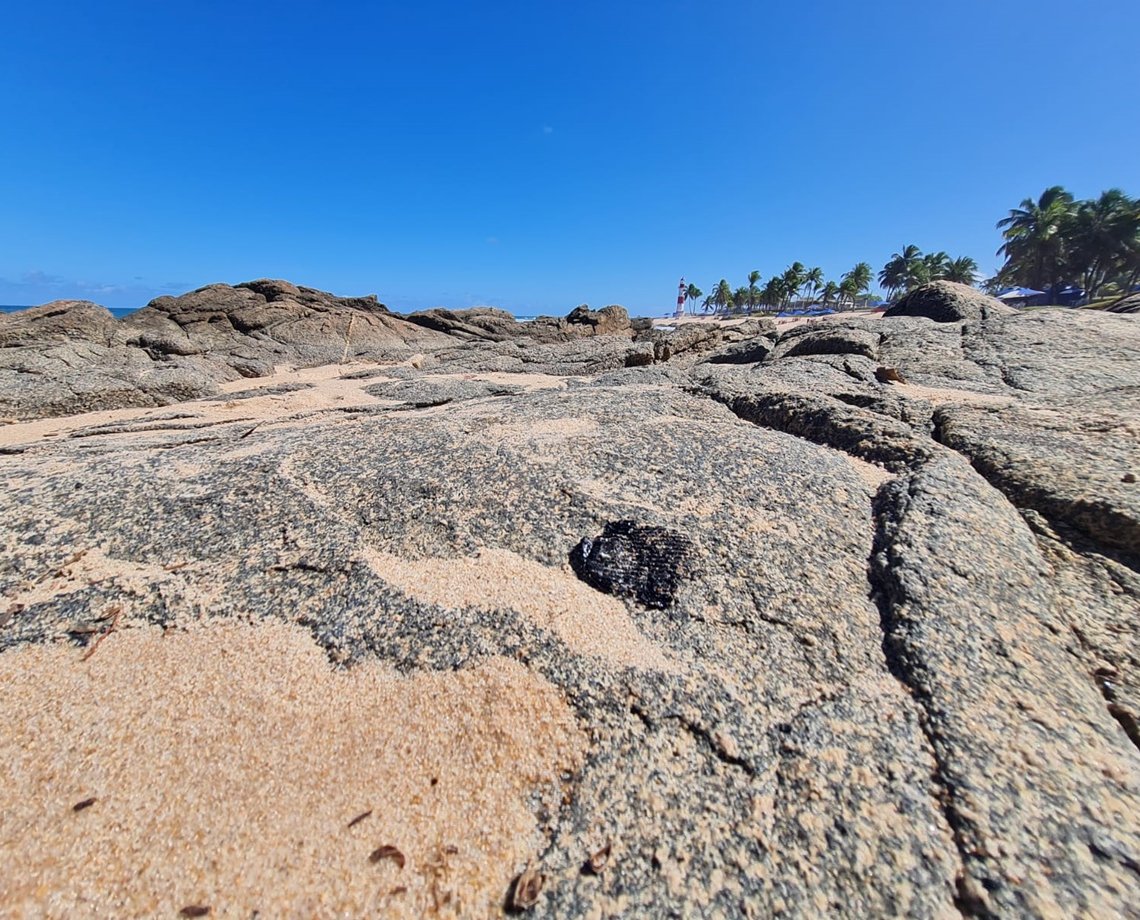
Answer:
(599, 859)
(387, 852)
(526, 889)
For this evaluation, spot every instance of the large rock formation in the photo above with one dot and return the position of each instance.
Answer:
(948, 302)
(60, 321)
(72, 356)
(256, 325)
(845, 618)
(489, 324)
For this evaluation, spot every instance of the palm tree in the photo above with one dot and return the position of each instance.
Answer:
(994, 284)
(1101, 233)
(739, 298)
(902, 271)
(774, 293)
(1130, 258)
(753, 290)
(963, 270)
(856, 282)
(1034, 246)
(793, 279)
(813, 280)
(830, 293)
(722, 296)
(861, 275)
(848, 291)
(933, 267)
(707, 303)
(693, 294)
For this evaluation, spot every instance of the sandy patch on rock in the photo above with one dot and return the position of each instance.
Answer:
(540, 433)
(941, 396)
(688, 320)
(226, 763)
(589, 622)
(526, 381)
(792, 322)
(323, 389)
(191, 588)
(872, 475)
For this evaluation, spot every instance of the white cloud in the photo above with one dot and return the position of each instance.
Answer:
(39, 277)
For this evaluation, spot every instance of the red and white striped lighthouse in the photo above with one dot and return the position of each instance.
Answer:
(682, 290)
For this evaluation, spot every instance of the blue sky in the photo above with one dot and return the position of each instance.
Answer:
(538, 155)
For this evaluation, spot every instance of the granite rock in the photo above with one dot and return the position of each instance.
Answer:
(855, 645)
(274, 322)
(949, 302)
(59, 321)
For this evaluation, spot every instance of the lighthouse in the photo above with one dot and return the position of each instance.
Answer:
(682, 290)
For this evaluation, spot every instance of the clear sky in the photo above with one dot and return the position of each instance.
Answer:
(536, 155)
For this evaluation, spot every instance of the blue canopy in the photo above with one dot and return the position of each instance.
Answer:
(1018, 293)
(813, 311)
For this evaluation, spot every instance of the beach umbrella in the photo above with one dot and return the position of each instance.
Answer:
(1018, 293)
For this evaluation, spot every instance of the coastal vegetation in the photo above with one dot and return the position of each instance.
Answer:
(1056, 241)
(912, 267)
(796, 284)
(1050, 244)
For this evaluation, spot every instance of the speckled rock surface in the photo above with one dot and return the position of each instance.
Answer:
(58, 321)
(948, 302)
(255, 325)
(492, 325)
(72, 356)
(896, 670)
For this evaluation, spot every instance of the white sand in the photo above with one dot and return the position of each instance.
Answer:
(325, 388)
(227, 761)
(589, 622)
(872, 474)
(940, 396)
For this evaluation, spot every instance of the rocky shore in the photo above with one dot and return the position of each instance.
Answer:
(312, 608)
